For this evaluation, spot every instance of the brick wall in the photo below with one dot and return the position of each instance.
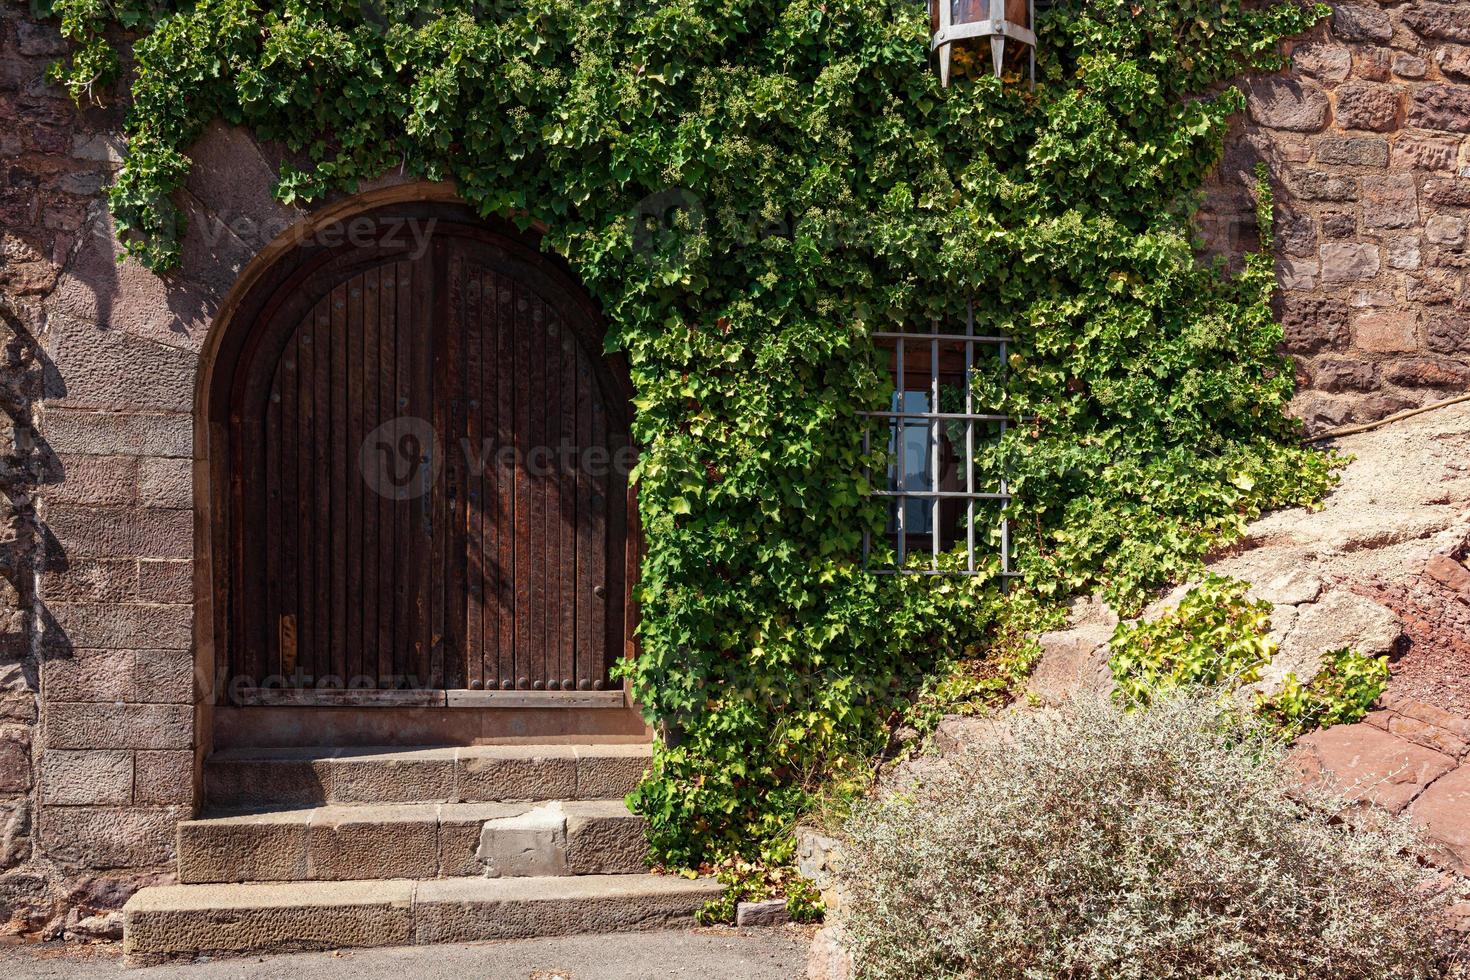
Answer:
(1366, 140)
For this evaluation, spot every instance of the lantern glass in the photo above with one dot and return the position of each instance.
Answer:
(971, 38)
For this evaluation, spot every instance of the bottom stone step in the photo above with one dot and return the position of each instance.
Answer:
(178, 921)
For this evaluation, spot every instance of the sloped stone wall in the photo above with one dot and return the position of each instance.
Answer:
(1367, 137)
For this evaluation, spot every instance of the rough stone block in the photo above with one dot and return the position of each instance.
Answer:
(1427, 373)
(1438, 21)
(1360, 22)
(1311, 324)
(15, 759)
(110, 837)
(1453, 61)
(1364, 105)
(1390, 202)
(1445, 229)
(242, 778)
(130, 726)
(1339, 225)
(163, 676)
(604, 838)
(90, 675)
(269, 846)
(1319, 185)
(106, 480)
(1421, 152)
(1365, 764)
(165, 580)
(1404, 253)
(1442, 107)
(403, 777)
(1444, 812)
(1449, 573)
(1281, 103)
(121, 626)
(15, 838)
(529, 845)
(1449, 334)
(1329, 63)
(88, 777)
(1353, 151)
(1451, 192)
(610, 771)
(348, 842)
(514, 773)
(164, 777)
(93, 580)
(1345, 262)
(121, 532)
(166, 482)
(185, 920)
(102, 368)
(108, 433)
(771, 912)
(1341, 374)
(1410, 66)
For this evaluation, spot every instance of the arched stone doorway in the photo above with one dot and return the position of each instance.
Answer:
(417, 459)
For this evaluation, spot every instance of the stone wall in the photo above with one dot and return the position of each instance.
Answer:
(98, 360)
(1366, 140)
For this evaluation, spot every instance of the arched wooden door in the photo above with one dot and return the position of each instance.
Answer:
(427, 476)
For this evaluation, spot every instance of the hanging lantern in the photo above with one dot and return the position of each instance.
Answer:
(961, 28)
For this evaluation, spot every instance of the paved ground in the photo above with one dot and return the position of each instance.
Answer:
(707, 954)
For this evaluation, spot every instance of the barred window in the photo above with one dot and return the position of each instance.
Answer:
(946, 502)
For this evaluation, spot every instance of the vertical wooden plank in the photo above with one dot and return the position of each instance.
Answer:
(535, 463)
(449, 517)
(525, 504)
(566, 461)
(289, 545)
(365, 419)
(390, 572)
(426, 505)
(326, 423)
(473, 458)
(587, 640)
(406, 538)
(598, 519)
(347, 527)
(306, 483)
(272, 537)
(550, 411)
(505, 481)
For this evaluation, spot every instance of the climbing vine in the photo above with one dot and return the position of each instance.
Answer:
(826, 188)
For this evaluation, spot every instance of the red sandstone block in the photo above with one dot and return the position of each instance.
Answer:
(107, 480)
(165, 581)
(164, 777)
(71, 725)
(110, 837)
(116, 433)
(120, 626)
(1367, 764)
(1448, 572)
(122, 532)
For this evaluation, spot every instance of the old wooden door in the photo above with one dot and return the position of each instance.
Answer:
(429, 476)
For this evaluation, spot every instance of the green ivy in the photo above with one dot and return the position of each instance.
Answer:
(1214, 637)
(1217, 636)
(840, 192)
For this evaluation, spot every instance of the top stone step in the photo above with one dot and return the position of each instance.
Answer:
(469, 774)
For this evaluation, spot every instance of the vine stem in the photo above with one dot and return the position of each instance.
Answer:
(1386, 420)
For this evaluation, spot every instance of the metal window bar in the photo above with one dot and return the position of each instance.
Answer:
(898, 422)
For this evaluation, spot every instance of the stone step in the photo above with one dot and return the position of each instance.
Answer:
(471, 774)
(180, 921)
(413, 840)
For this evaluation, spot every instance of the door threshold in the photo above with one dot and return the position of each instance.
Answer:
(295, 697)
